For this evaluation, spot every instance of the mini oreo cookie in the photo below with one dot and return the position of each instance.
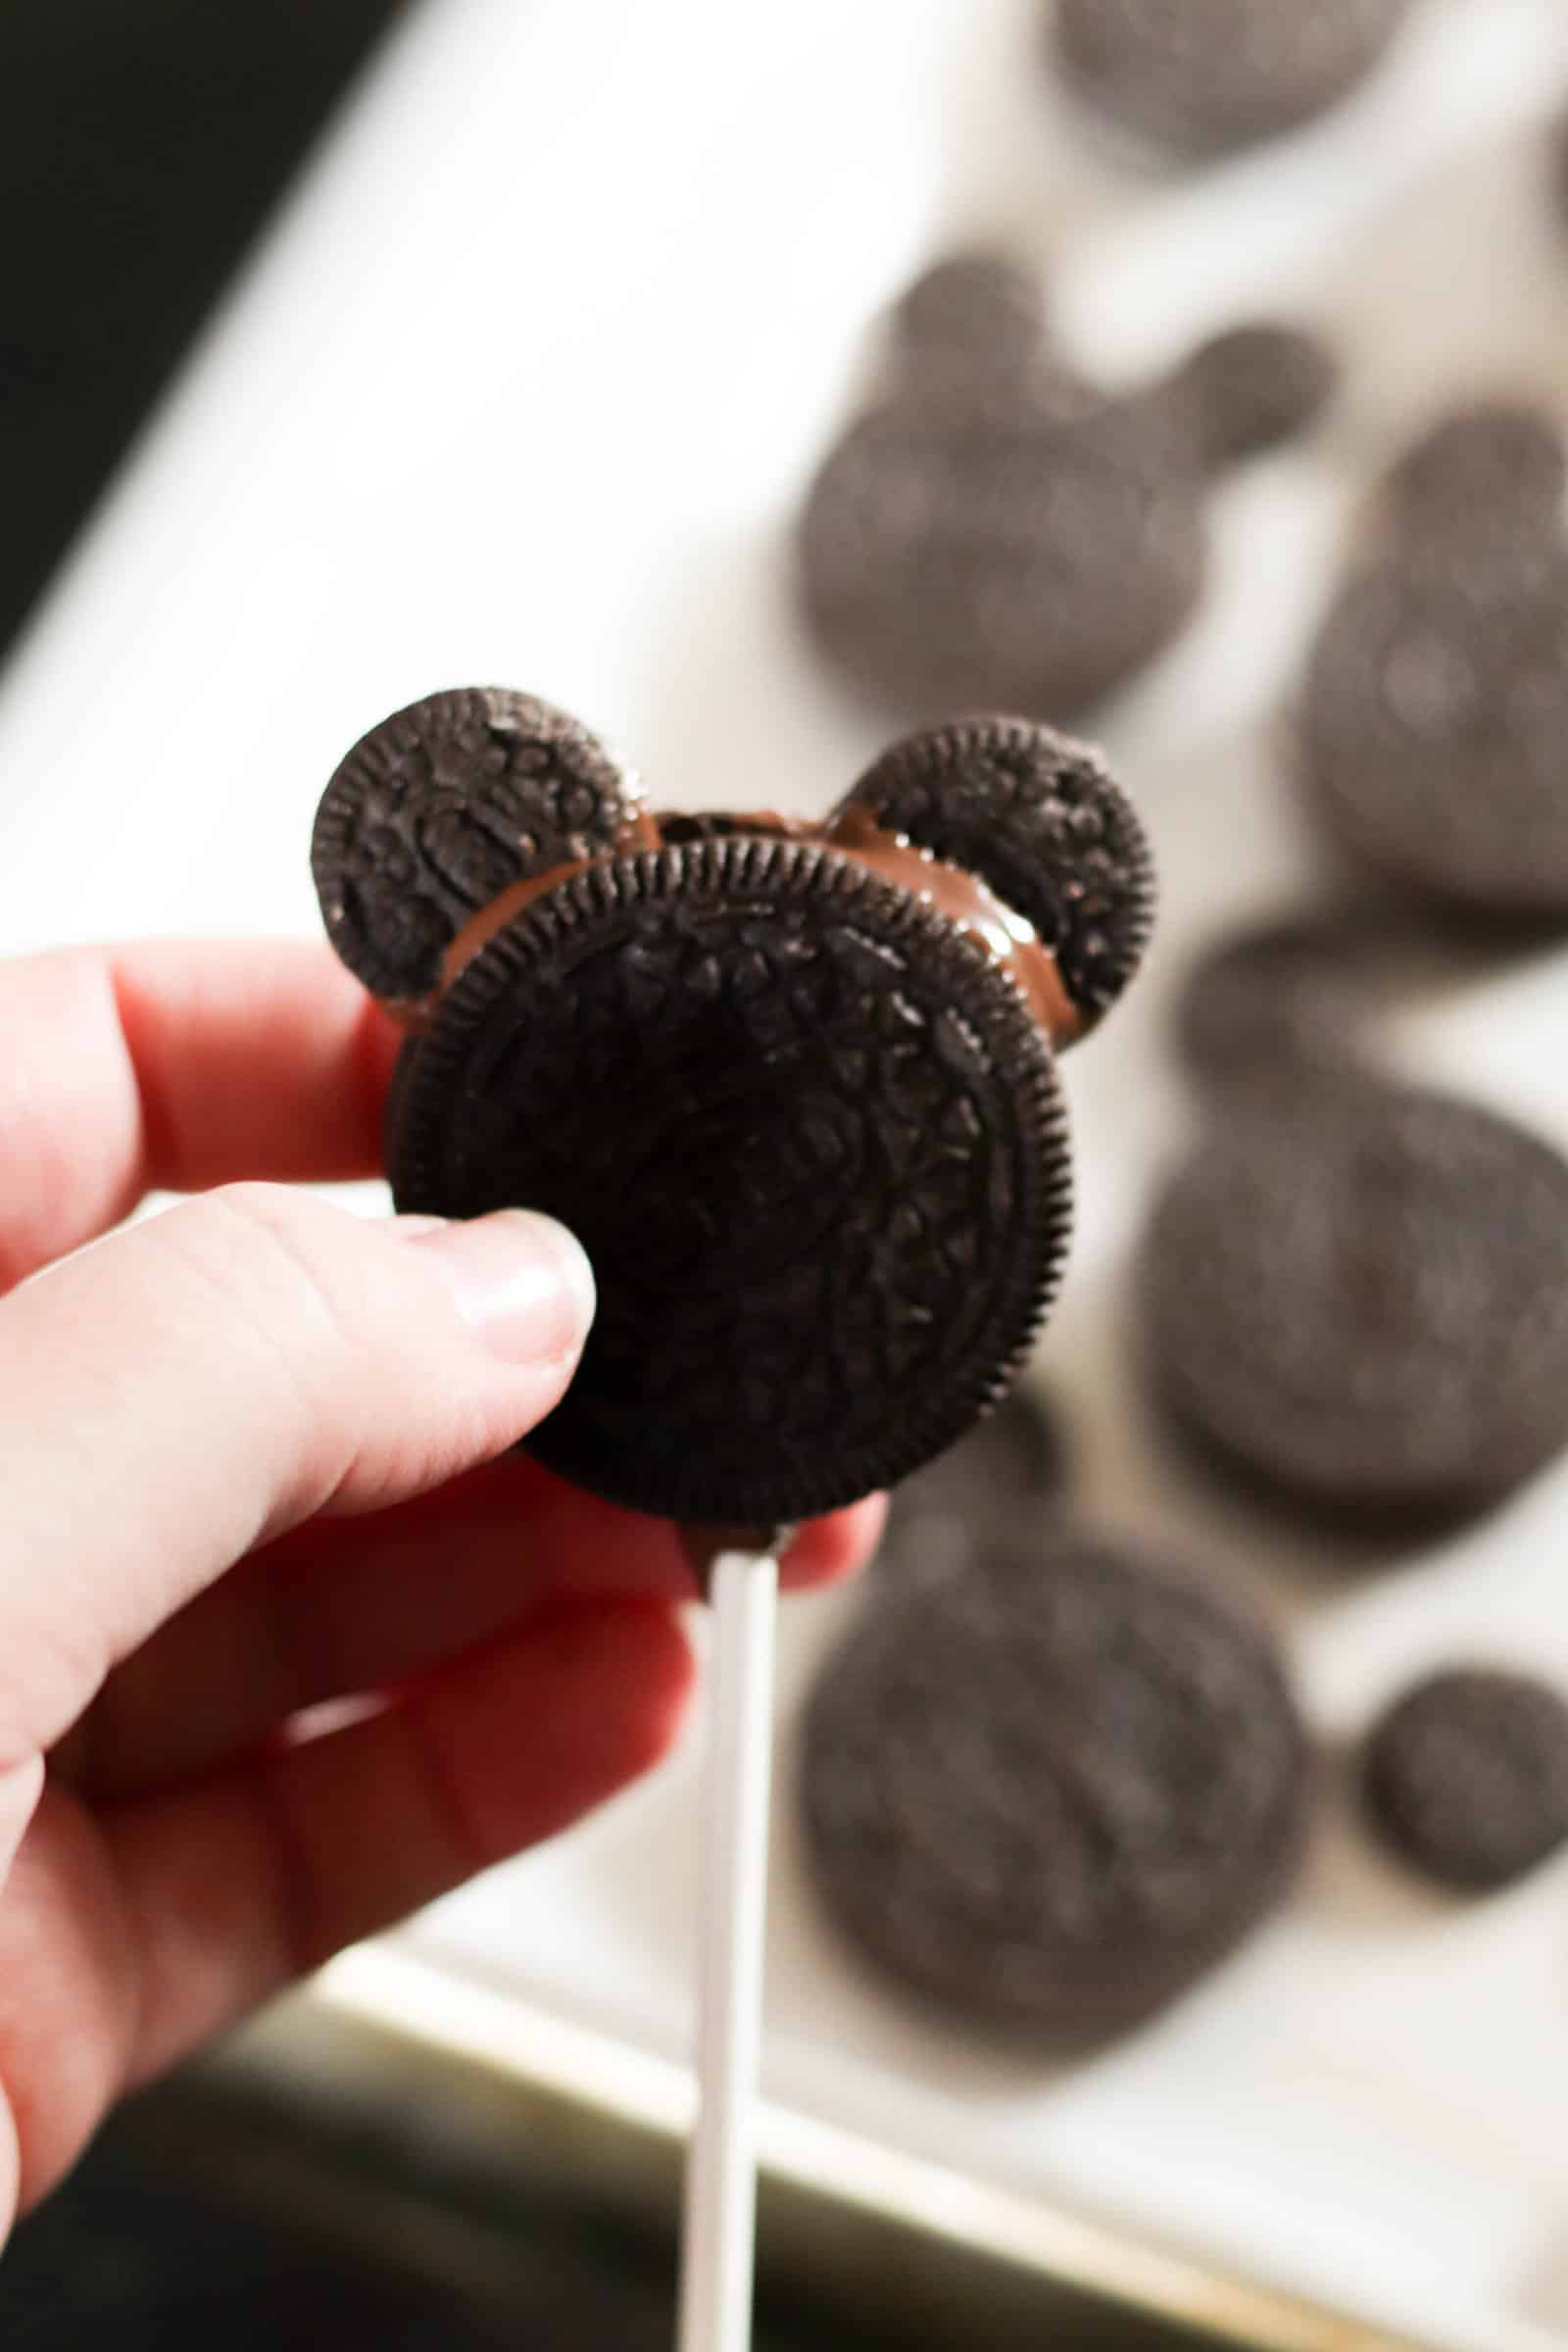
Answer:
(1251, 387)
(1278, 1005)
(1466, 1777)
(1055, 1790)
(1361, 1299)
(812, 1140)
(1038, 818)
(1434, 706)
(1199, 78)
(978, 310)
(440, 806)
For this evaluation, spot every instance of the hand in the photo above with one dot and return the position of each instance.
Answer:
(255, 1459)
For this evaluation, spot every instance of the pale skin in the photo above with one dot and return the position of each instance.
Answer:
(256, 1458)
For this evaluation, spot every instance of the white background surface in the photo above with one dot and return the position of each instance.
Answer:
(522, 390)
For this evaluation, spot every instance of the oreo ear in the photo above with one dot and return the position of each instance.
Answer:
(438, 808)
(973, 313)
(1037, 816)
(1492, 471)
(1249, 388)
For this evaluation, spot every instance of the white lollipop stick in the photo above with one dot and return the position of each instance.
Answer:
(716, 2239)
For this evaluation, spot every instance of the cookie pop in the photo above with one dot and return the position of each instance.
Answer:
(994, 528)
(794, 1087)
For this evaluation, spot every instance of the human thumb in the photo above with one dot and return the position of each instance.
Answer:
(204, 1380)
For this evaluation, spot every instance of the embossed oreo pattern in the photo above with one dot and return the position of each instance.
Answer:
(1363, 1298)
(1055, 1788)
(1039, 819)
(437, 809)
(811, 1140)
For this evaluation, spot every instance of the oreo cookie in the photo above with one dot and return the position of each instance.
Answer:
(1491, 471)
(1039, 819)
(1466, 1777)
(994, 1483)
(1056, 1790)
(1362, 1299)
(1250, 387)
(438, 808)
(812, 1138)
(969, 313)
(1278, 1007)
(998, 534)
(1199, 78)
(1435, 705)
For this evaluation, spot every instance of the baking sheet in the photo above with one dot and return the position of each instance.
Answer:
(523, 388)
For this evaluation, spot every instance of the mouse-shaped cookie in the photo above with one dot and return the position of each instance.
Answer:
(792, 1085)
(1434, 714)
(1199, 78)
(995, 530)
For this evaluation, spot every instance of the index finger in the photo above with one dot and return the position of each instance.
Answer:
(177, 1064)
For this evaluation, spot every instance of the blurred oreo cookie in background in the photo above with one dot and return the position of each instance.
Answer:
(1360, 1300)
(1434, 710)
(997, 533)
(1056, 1790)
(1465, 1778)
(1190, 79)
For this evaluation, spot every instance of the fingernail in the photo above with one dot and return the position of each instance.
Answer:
(521, 1282)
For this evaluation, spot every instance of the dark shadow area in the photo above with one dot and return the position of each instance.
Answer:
(208, 2214)
(143, 144)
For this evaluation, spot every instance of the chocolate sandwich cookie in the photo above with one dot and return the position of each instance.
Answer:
(995, 1481)
(1361, 1299)
(1009, 536)
(442, 806)
(1278, 1007)
(1199, 78)
(1466, 1777)
(794, 1087)
(1250, 387)
(1038, 818)
(812, 1140)
(1434, 706)
(974, 312)
(1056, 1790)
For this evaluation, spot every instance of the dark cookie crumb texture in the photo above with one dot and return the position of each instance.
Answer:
(811, 1139)
(1038, 818)
(1056, 1790)
(1466, 1777)
(437, 809)
(1363, 1301)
